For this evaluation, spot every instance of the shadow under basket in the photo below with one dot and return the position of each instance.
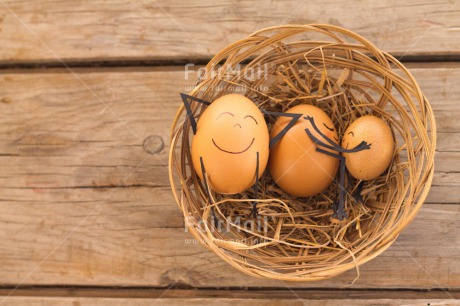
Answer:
(295, 239)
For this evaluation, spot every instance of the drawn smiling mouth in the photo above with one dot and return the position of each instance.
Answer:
(231, 152)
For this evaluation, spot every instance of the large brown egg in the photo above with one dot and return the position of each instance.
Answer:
(294, 163)
(368, 164)
(230, 133)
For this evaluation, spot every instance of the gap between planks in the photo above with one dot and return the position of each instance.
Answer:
(441, 59)
(232, 292)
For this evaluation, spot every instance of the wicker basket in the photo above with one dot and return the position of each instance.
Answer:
(348, 77)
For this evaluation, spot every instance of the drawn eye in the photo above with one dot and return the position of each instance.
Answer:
(330, 129)
(352, 134)
(249, 116)
(225, 113)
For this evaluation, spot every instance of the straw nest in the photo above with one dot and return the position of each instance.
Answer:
(295, 239)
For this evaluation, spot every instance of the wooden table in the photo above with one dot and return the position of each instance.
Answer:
(88, 90)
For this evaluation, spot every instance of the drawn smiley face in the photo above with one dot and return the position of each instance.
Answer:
(229, 126)
(229, 134)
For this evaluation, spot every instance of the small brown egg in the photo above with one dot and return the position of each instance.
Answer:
(294, 163)
(230, 133)
(368, 164)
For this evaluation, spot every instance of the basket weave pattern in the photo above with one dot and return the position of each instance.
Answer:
(348, 77)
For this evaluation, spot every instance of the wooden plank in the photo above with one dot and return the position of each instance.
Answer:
(111, 128)
(68, 140)
(52, 301)
(101, 240)
(50, 31)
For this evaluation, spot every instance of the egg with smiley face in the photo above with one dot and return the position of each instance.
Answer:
(295, 165)
(231, 136)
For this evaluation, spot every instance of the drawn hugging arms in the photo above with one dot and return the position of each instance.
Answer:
(338, 207)
(312, 121)
(321, 145)
(361, 146)
(295, 117)
(334, 146)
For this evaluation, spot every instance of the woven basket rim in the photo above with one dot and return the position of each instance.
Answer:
(398, 214)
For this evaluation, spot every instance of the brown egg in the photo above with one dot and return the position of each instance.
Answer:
(229, 134)
(368, 164)
(294, 163)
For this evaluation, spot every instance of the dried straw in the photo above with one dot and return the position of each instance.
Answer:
(348, 77)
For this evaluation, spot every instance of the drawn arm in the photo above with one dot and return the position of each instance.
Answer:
(256, 188)
(185, 98)
(361, 146)
(295, 118)
(339, 210)
(312, 121)
(203, 171)
(319, 142)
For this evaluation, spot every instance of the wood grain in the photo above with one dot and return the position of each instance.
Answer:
(105, 240)
(86, 212)
(103, 128)
(85, 200)
(109, 30)
(52, 301)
